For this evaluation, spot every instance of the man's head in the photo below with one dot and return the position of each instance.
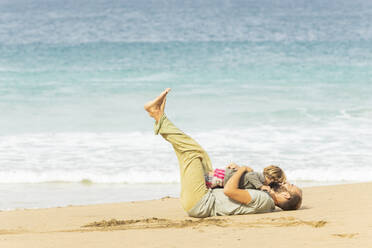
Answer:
(287, 196)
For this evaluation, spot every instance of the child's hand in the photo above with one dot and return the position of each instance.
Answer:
(265, 188)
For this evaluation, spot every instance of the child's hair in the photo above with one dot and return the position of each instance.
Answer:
(274, 174)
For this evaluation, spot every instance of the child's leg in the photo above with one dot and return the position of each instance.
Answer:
(194, 162)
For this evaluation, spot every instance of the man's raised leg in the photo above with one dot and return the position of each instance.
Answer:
(194, 162)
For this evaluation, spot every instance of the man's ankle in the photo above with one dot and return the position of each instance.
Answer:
(158, 116)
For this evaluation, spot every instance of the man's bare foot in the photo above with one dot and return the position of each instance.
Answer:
(155, 108)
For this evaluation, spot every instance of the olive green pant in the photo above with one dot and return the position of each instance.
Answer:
(194, 162)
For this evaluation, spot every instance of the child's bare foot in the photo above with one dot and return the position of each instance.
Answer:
(155, 108)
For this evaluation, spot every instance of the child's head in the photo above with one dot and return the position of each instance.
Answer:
(274, 174)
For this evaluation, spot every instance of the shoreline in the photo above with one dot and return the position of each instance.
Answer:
(62, 194)
(331, 216)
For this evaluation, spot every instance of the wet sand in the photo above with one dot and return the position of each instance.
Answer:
(331, 216)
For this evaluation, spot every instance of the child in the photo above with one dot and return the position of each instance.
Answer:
(250, 180)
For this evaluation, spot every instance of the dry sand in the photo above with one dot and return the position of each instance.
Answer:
(331, 216)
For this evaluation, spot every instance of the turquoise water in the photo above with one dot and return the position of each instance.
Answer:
(268, 82)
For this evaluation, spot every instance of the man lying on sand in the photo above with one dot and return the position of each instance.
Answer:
(194, 164)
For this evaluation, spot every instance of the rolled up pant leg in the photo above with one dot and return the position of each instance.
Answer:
(193, 161)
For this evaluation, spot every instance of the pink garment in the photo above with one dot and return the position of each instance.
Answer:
(216, 180)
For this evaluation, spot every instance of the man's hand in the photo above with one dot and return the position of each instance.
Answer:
(236, 167)
(247, 168)
(233, 166)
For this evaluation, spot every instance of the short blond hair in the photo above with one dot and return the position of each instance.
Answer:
(274, 174)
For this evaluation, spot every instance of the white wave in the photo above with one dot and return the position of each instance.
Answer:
(337, 151)
(87, 177)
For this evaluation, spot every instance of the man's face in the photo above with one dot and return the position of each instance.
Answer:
(287, 189)
(293, 189)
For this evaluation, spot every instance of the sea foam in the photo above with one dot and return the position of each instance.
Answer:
(336, 152)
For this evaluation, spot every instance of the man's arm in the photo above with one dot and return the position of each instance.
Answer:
(232, 187)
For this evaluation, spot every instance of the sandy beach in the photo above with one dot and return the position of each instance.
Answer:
(255, 83)
(331, 216)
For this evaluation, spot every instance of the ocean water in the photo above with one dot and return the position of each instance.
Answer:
(254, 82)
